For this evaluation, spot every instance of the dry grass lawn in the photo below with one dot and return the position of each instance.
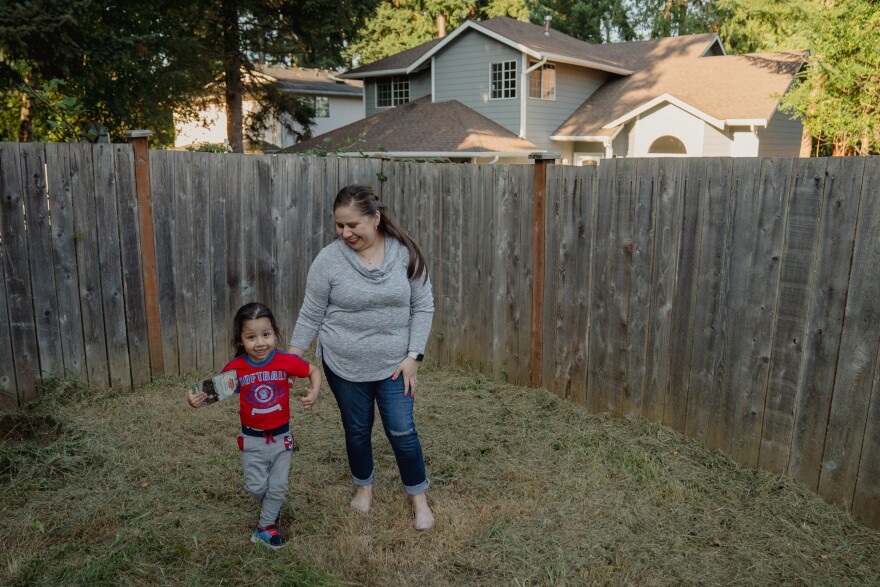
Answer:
(134, 488)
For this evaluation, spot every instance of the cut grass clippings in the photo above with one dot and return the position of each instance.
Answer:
(135, 488)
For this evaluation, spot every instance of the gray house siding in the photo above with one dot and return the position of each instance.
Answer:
(573, 86)
(419, 86)
(463, 72)
(781, 138)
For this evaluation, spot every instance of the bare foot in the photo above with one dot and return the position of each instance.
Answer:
(423, 517)
(363, 497)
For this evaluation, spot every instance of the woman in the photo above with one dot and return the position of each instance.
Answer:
(369, 300)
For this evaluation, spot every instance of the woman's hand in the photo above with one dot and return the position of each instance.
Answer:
(409, 368)
(308, 399)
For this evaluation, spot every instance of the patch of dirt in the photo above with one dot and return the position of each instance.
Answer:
(22, 427)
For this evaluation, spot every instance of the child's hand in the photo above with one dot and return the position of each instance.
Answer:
(308, 400)
(197, 400)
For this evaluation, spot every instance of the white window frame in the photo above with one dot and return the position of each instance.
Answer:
(502, 77)
(398, 90)
(539, 80)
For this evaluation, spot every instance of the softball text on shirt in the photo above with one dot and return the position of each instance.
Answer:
(264, 397)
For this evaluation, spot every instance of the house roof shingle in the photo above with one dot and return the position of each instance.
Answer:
(425, 127)
(311, 81)
(729, 87)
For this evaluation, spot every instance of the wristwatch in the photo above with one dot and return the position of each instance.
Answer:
(415, 355)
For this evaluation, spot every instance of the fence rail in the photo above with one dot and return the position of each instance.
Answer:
(733, 300)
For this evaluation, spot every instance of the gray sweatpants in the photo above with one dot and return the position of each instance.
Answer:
(266, 468)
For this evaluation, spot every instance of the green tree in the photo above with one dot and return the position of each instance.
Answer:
(402, 24)
(838, 95)
(672, 18)
(593, 21)
(753, 26)
(125, 65)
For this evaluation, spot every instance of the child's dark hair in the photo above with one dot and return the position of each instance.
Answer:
(251, 311)
(367, 203)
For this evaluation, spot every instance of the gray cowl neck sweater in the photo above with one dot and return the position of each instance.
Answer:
(366, 319)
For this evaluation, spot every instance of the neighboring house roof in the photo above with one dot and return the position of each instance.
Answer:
(523, 36)
(722, 90)
(424, 129)
(311, 81)
(393, 64)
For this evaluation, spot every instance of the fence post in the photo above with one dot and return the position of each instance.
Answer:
(539, 193)
(139, 140)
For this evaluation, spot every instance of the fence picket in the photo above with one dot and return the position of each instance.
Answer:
(64, 256)
(682, 333)
(822, 343)
(39, 237)
(793, 304)
(848, 432)
(110, 262)
(707, 368)
(132, 266)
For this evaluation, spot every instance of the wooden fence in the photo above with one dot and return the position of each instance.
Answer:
(734, 300)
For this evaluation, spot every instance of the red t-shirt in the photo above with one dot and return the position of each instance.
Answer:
(264, 401)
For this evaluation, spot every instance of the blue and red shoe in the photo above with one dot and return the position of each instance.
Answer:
(268, 536)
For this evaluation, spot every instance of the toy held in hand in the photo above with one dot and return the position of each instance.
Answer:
(218, 388)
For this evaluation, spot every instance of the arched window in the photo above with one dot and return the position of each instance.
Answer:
(668, 145)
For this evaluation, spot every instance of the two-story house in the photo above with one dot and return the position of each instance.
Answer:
(501, 89)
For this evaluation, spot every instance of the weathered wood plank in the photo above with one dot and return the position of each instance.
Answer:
(855, 379)
(487, 279)
(585, 207)
(264, 217)
(303, 212)
(682, 332)
(131, 265)
(793, 303)
(19, 297)
(521, 178)
(236, 244)
(501, 261)
(866, 501)
(184, 261)
(843, 182)
(109, 259)
(621, 278)
(667, 233)
(470, 281)
(564, 275)
(640, 310)
(39, 237)
(218, 249)
(8, 382)
(288, 248)
(64, 255)
(601, 294)
(162, 181)
(759, 233)
(86, 228)
(448, 263)
(200, 197)
(552, 213)
(710, 318)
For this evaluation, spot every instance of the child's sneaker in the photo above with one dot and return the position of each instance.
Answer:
(268, 536)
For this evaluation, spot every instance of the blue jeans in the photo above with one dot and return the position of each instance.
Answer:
(355, 400)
